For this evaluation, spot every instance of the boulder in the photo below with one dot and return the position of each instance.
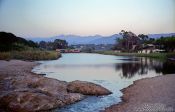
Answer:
(87, 88)
(23, 91)
(29, 102)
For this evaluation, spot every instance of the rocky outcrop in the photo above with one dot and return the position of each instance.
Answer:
(29, 101)
(23, 91)
(87, 88)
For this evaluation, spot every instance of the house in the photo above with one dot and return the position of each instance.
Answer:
(61, 50)
(158, 50)
(117, 51)
(58, 50)
(68, 50)
(149, 48)
(74, 51)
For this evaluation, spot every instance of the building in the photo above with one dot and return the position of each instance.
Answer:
(150, 48)
(68, 50)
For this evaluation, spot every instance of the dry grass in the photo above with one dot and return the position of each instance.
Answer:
(30, 55)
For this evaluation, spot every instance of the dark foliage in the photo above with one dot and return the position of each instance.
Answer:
(166, 43)
(129, 43)
(57, 44)
(9, 41)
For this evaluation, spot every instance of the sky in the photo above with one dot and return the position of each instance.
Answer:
(43, 18)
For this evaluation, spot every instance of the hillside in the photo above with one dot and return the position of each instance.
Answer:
(161, 35)
(106, 40)
(96, 39)
(71, 39)
(75, 39)
(9, 41)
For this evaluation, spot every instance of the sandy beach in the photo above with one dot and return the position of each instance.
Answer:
(148, 95)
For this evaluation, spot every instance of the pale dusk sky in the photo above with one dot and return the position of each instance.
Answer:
(42, 18)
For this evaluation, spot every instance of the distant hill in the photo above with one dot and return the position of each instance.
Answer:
(9, 41)
(71, 39)
(160, 35)
(106, 40)
(75, 39)
(96, 39)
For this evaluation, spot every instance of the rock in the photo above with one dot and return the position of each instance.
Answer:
(37, 95)
(29, 102)
(72, 98)
(42, 74)
(23, 91)
(87, 88)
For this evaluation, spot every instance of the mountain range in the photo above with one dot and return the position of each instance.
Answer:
(96, 39)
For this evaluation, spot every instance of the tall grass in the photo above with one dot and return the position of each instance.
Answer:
(5, 56)
(30, 55)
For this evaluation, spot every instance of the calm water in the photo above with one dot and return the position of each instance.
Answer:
(112, 72)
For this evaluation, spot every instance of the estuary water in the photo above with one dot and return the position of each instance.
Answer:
(112, 72)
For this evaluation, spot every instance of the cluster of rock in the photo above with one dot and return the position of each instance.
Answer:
(23, 91)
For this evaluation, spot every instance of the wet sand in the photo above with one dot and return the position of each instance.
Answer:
(148, 95)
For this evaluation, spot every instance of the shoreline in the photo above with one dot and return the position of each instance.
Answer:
(159, 56)
(133, 95)
(24, 91)
(148, 94)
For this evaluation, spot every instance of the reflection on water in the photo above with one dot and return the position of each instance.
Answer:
(166, 68)
(144, 65)
(112, 72)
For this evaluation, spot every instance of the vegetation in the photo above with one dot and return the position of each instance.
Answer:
(57, 44)
(166, 43)
(143, 37)
(133, 43)
(9, 42)
(129, 43)
(161, 56)
(30, 55)
(13, 47)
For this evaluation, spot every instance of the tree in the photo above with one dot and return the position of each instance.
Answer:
(57, 44)
(149, 41)
(143, 37)
(166, 43)
(32, 44)
(9, 42)
(60, 44)
(43, 44)
(129, 42)
(124, 33)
